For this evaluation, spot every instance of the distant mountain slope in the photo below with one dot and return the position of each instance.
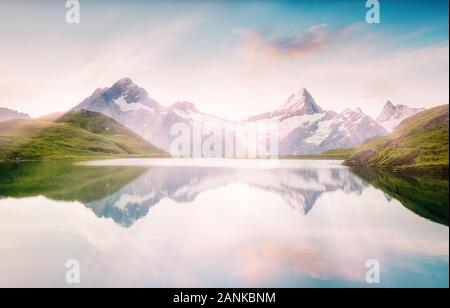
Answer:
(421, 142)
(76, 135)
(8, 114)
(132, 107)
(392, 115)
(304, 127)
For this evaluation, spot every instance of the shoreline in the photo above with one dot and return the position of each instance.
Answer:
(437, 170)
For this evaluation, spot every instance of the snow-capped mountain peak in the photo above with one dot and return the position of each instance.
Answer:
(352, 114)
(300, 103)
(354, 110)
(392, 115)
(131, 93)
(122, 97)
(388, 112)
(124, 82)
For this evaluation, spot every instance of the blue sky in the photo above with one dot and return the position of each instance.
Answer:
(234, 58)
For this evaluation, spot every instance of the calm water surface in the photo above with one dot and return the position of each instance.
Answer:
(220, 223)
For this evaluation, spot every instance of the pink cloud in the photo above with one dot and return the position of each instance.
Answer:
(314, 40)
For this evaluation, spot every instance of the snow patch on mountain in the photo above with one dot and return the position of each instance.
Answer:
(287, 125)
(392, 115)
(322, 132)
(126, 107)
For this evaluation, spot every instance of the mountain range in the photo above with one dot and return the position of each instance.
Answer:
(303, 126)
(8, 114)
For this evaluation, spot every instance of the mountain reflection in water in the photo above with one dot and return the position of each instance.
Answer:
(126, 193)
(221, 223)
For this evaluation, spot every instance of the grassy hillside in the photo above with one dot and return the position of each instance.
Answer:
(420, 143)
(337, 154)
(74, 136)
